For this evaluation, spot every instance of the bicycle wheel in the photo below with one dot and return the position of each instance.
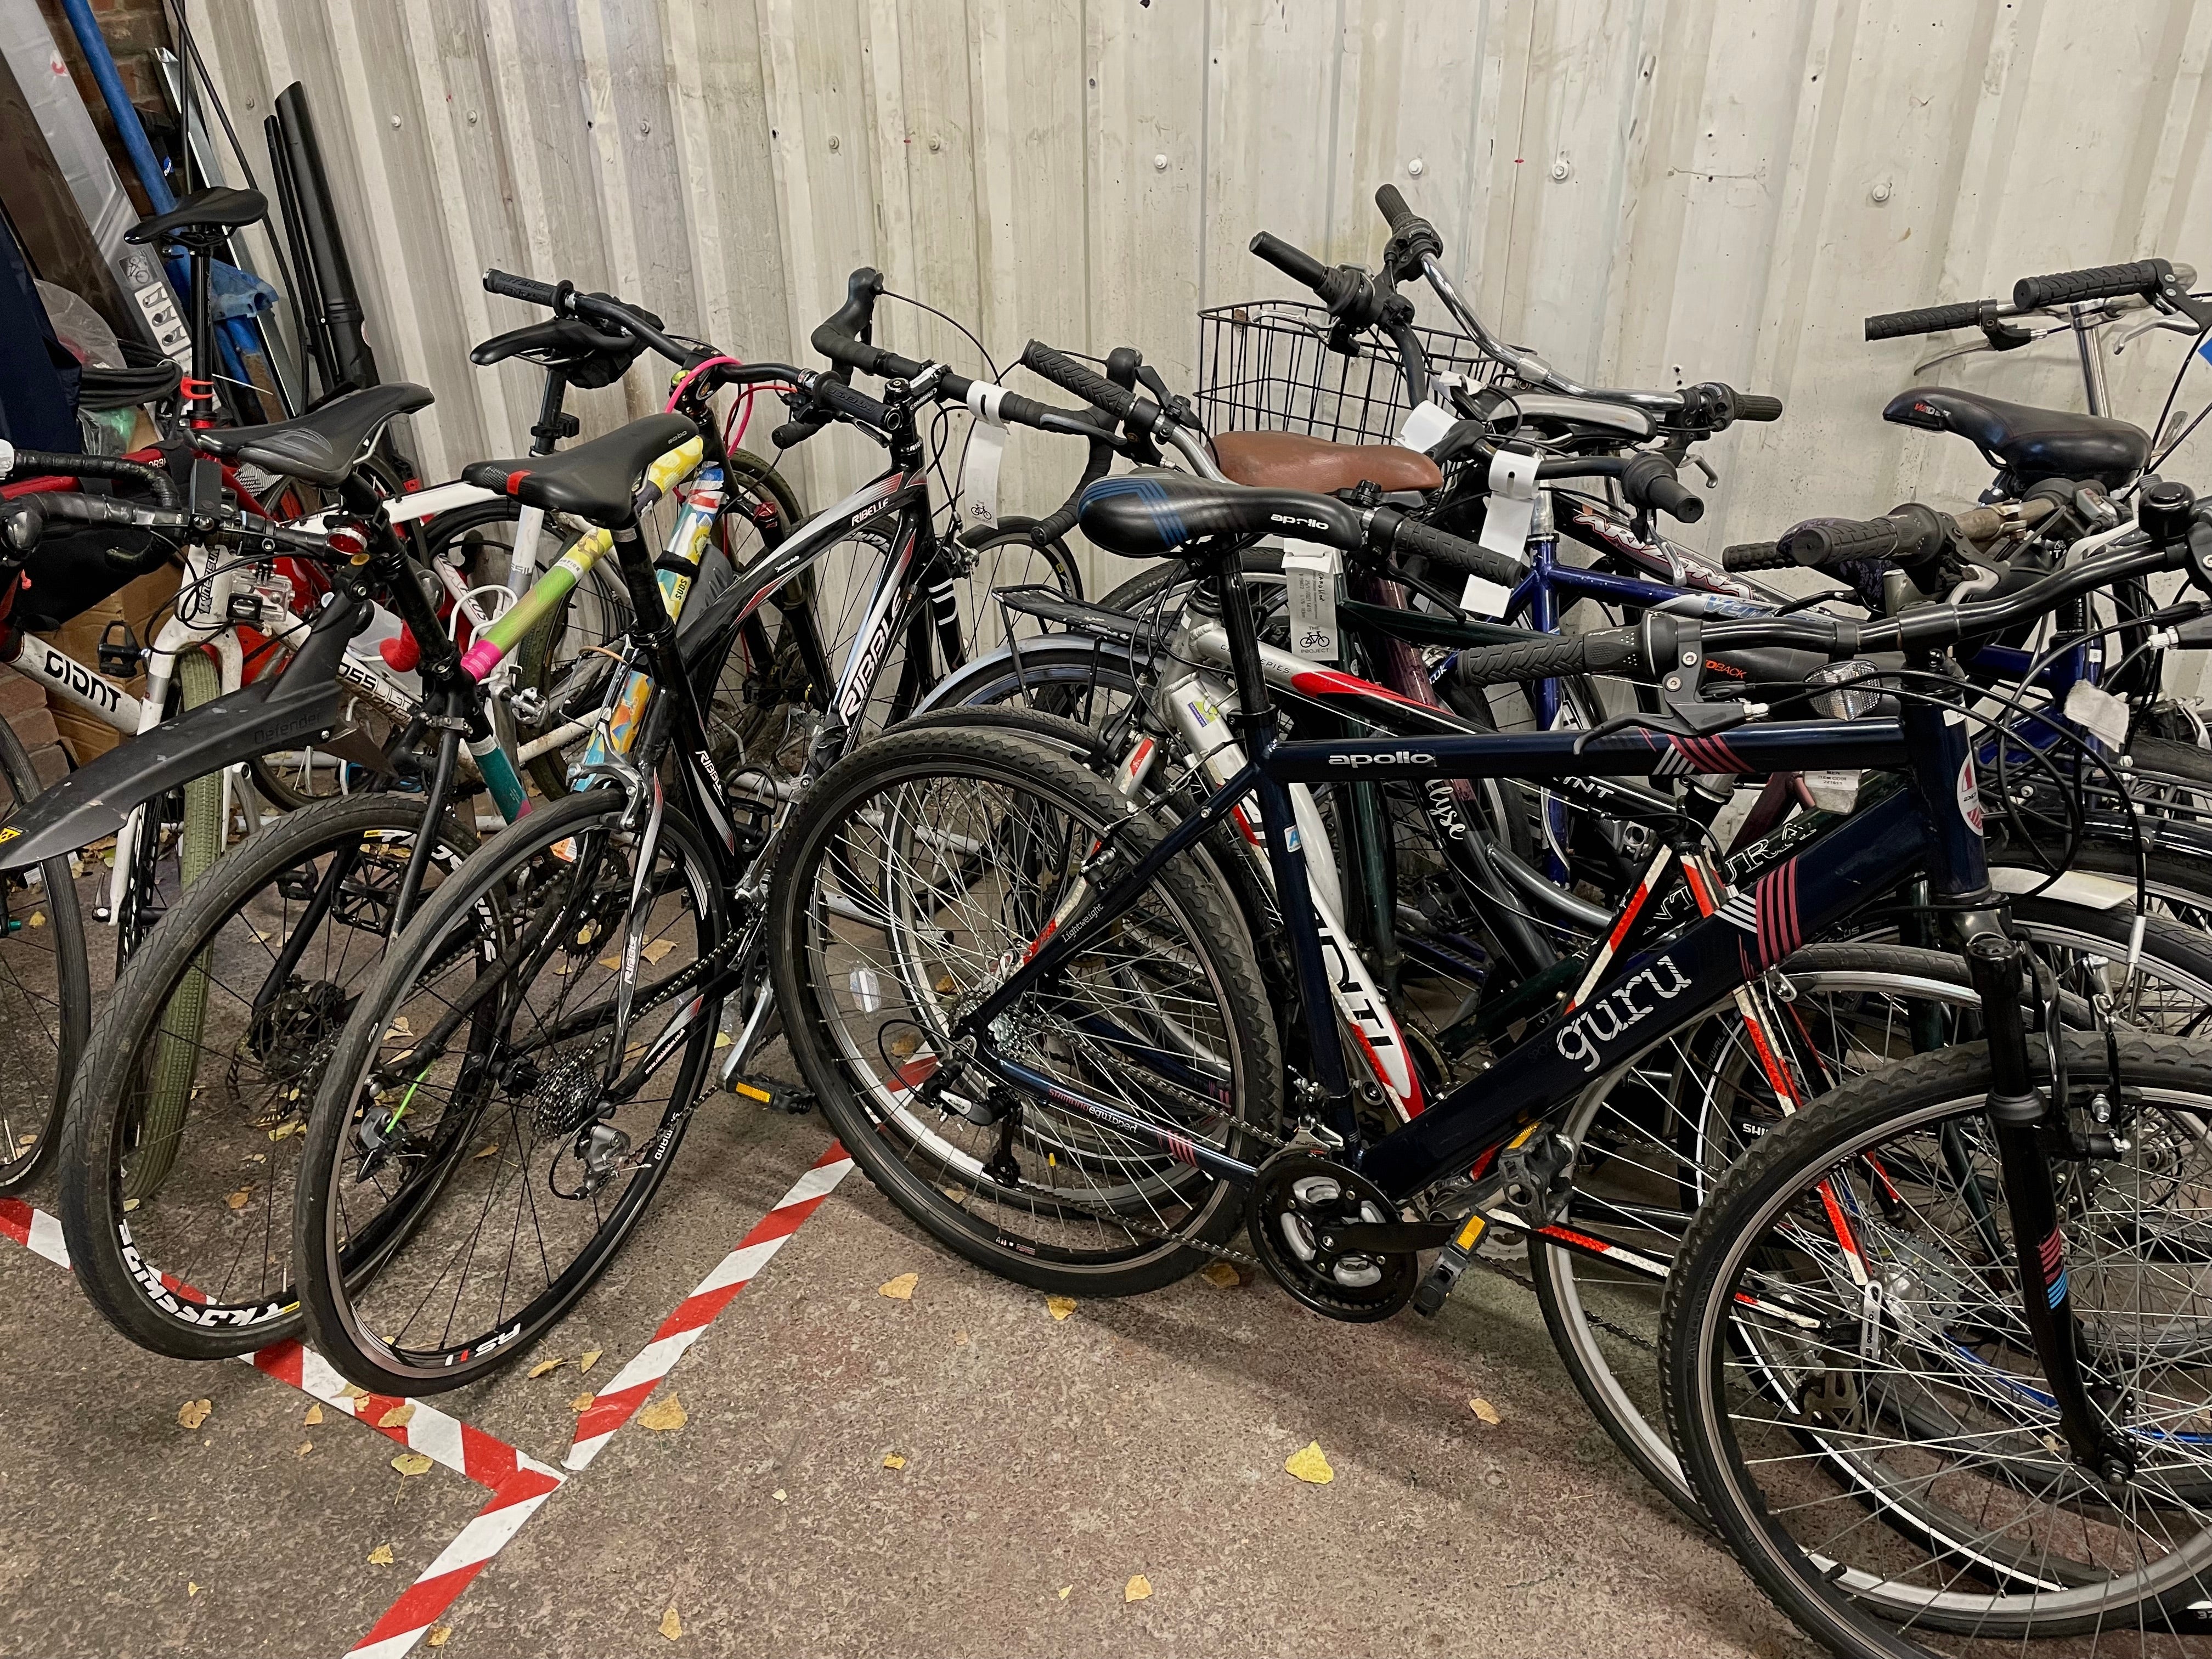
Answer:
(179, 1158)
(1887, 1463)
(912, 870)
(481, 1145)
(45, 988)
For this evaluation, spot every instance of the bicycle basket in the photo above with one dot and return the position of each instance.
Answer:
(1266, 366)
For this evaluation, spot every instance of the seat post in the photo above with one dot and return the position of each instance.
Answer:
(199, 391)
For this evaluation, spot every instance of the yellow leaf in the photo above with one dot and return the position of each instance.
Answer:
(671, 1625)
(547, 1367)
(439, 1637)
(1483, 1409)
(664, 1414)
(1309, 1466)
(193, 1412)
(612, 965)
(381, 1556)
(893, 1460)
(128, 1205)
(658, 949)
(191, 1589)
(904, 1045)
(411, 1463)
(305, 1446)
(1138, 1588)
(38, 919)
(400, 1028)
(1221, 1273)
(1065, 1591)
(947, 985)
(1060, 1306)
(486, 1149)
(899, 1289)
(353, 1391)
(778, 1494)
(314, 1415)
(239, 1200)
(582, 1402)
(591, 1358)
(399, 1417)
(721, 1039)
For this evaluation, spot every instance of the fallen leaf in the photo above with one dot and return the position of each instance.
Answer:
(658, 949)
(1060, 1306)
(1221, 1273)
(582, 1402)
(240, 1199)
(613, 965)
(193, 1412)
(1138, 1588)
(411, 1463)
(591, 1358)
(314, 1415)
(353, 1391)
(959, 1338)
(305, 1446)
(486, 1150)
(721, 1039)
(439, 1637)
(778, 1495)
(191, 1589)
(128, 1205)
(256, 1158)
(38, 919)
(1065, 1590)
(1483, 1409)
(664, 1414)
(1309, 1466)
(399, 1417)
(381, 1556)
(547, 1367)
(899, 1289)
(286, 1131)
(400, 1028)
(893, 1460)
(671, 1625)
(904, 1045)
(947, 985)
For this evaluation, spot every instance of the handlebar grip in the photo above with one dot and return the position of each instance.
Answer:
(1415, 234)
(838, 337)
(1648, 481)
(858, 405)
(1394, 210)
(1927, 320)
(1756, 555)
(520, 288)
(792, 434)
(1832, 541)
(1756, 406)
(32, 463)
(1071, 376)
(2100, 282)
(1061, 520)
(1410, 535)
(1294, 263)
(1544, 660)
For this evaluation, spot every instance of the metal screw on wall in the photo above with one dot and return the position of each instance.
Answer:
(935, 144)
(835, 142)
(1562, 169)
(1416, 167)
(1159, 164)
(1880, 193)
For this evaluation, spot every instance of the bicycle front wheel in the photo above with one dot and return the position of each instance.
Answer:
(505, 1098)
(45, 988)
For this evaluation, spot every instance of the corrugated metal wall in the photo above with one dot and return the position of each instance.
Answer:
(1646, 191)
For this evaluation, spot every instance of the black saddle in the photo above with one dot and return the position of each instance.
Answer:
(325, 444)
(597, 481)
(568, 345)
(212, 213)
(2029, 444)
(1153, 513)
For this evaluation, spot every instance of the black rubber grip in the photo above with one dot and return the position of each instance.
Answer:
(1022, 411)
(45, 463)
(1831, 541)
(1071, 376)
(792, 434)
(1399, 217)
(1756, 555)
(1410, 535)
(846, 401)
(1545, 659)
(1648, 480)
(1294, 263)
(2103, 283)
(1927, 320)
(1756, 406)
(107, 509)
(520, 288)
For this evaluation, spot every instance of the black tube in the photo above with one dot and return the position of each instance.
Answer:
(306, 295)
(353, 364)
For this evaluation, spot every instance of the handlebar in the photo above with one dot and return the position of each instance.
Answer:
(1927, 320)
(1391, 531)
(2143, 276)
(564, 299)
(2158, 280)
(1294, 263)
(34, 463)
(1517, 663)
(1755, 556)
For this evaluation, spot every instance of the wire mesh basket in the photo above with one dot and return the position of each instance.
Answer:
(1267, 366)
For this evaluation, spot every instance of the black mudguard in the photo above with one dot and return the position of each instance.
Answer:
(305, 701)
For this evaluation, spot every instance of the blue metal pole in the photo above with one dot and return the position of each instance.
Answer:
(127, 125)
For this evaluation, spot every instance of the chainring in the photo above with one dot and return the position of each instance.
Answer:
(1296, 1197)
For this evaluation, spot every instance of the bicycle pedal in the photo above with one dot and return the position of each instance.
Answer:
(1443, 1274)
(787, 1098)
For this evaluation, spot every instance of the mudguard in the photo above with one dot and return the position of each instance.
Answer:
(305, 701)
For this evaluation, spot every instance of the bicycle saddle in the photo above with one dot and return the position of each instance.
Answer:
(323, 444)
(210, 212)
(597, 481)
(1290, 460)
(2031, 444)
(569, 346)
(1152, 512)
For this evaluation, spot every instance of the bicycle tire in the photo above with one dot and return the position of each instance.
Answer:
(52, 924)
(1255, 1086)
(122, 1261)
(332, 1277)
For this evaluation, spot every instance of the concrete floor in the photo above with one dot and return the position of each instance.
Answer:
(1046, 1462)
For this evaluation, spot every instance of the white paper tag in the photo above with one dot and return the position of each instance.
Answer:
(1425, 427)
(1309, 571)
(1512, 502)
(2101, 714)
(979, 476)
(1834, 792)
(1485, 598)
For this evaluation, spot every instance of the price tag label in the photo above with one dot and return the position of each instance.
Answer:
(2099, 713)
(1484, 599)
(1835, 791)
(1311, 571)
(979, 462)
(1512, 502)
(1424, 427)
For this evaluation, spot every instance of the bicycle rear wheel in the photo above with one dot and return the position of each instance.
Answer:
(480, 1146)
(913, 870)
(1885, 1463)
(46, 988)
